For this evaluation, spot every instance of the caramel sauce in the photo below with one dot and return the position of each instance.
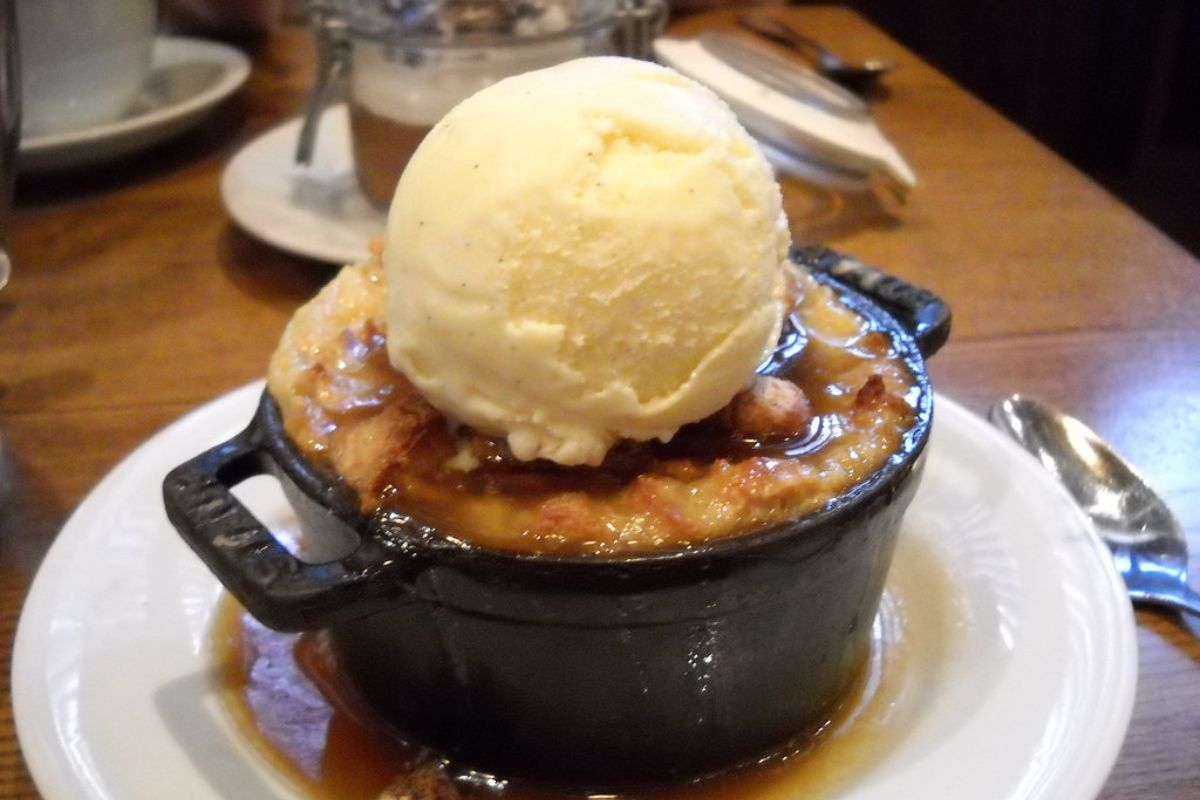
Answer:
(355, 416)
(286, 696)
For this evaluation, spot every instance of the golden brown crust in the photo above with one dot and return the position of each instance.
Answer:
(427, 782)
(840, 416)
(771, 408)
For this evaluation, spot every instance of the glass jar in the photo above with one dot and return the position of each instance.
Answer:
(404, 63)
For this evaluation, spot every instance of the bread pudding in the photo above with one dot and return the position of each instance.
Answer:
(781, 449)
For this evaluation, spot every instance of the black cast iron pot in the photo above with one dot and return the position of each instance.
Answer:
(599, 672)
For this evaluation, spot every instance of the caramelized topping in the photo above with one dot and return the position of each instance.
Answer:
(771, 409)
(872, 394)
(426, 782)
(782, 448)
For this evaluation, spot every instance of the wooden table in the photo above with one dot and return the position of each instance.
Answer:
(135, 299)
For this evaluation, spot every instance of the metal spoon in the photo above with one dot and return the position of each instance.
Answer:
(857, 76)
(1147, 542)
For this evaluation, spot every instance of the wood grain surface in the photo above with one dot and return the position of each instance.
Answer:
(136, 299)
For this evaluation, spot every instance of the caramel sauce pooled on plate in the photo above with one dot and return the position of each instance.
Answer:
(286, 696)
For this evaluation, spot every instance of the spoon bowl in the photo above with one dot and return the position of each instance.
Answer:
(1147, 542)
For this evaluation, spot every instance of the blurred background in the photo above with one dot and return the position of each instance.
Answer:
(1105, 83)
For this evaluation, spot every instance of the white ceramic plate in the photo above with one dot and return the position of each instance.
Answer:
(841, 144)
(317, 210)
(188, 79)
(1026, 697)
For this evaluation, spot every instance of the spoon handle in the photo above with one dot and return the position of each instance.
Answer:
(778, 31)
(1183, 598)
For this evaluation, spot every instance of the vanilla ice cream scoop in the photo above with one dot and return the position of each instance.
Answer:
(582, 254)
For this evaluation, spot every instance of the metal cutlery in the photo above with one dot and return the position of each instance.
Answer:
(784, 75)
(1147, 542)
(858, 76)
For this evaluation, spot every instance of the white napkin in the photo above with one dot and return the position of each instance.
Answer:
(801, 138)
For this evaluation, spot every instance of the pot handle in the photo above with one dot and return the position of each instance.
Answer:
(280, 590)
(925, 315)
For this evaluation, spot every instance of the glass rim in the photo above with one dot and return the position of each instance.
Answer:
(363, 26)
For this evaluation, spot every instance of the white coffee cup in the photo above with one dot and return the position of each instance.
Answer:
(83, 62)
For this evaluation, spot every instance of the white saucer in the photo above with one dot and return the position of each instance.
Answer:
(1027, 695)
(189, 78)
(801, 139)
(316, 211)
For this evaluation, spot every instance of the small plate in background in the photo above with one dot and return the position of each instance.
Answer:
(188, 79)
(318, 210)
(813, 136)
